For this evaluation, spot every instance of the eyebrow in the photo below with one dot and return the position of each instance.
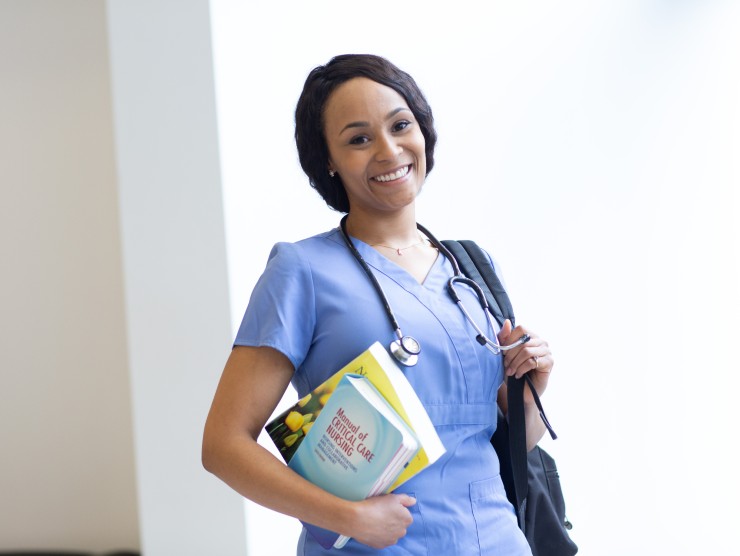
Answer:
(366, 124)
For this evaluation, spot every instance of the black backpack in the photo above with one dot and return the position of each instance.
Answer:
(531, 478)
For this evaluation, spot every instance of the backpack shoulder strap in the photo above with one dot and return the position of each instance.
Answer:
(476, 265)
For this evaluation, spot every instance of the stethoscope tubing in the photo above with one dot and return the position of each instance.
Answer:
(458, 277)
(373, 279)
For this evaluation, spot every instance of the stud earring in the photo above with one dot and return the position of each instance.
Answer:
(332, 173)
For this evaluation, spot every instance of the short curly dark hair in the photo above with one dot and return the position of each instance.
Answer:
(313, 152)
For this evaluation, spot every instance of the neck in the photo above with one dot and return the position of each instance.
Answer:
(398, 229)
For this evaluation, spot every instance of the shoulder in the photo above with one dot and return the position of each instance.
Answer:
(306, 263)
(321, 243)
(305, 252)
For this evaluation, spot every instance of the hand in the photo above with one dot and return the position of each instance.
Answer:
(382, 520)
(533, 357)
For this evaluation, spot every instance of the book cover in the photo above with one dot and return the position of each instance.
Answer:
(357, 445)
(291, 428)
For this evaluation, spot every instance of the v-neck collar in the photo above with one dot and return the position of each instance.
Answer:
(396, 272)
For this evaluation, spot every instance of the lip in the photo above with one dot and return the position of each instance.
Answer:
(409, 168)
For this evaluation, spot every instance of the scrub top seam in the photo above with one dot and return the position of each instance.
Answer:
(312, 297)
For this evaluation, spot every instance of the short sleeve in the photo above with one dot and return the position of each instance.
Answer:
(281, 312)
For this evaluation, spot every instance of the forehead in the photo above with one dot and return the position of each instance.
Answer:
(361, 99)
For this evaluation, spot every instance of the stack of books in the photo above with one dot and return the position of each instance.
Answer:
(361, 433)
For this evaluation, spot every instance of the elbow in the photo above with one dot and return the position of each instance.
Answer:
(209, 452)
(211, 461)
(206, 459)
(218, 450)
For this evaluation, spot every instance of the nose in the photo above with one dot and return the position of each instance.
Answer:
(387, 148)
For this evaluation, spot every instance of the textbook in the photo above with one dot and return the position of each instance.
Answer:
(354, 434)
(357, 445)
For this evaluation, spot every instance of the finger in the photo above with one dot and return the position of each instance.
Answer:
(532, 358)
(510, 339)
(514, 355)
(503, 335)
(406, 500)
(519, 340)
(513, 335)
(535, 364)
(518, 355)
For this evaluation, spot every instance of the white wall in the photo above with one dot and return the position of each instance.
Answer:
(67, 478)
(594, 147)
(174, 266)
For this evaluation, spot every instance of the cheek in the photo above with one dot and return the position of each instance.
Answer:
(422, 154)
(420, 143)
(353, 163)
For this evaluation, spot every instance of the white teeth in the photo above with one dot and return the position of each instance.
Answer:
(394, 176)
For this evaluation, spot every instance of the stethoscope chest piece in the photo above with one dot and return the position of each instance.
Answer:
(406, 350)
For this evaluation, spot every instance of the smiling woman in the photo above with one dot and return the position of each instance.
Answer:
(365, 137)
(375, 146)
(311, 113)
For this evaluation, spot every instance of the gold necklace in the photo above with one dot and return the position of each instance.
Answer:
(398, 249)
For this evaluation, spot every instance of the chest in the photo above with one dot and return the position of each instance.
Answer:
(350, 315)
(418, 263)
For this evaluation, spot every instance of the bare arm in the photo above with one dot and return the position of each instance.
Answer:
(535, 358)
(253, 382)
(533, 423)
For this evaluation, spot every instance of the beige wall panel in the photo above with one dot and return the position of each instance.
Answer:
(67, 475)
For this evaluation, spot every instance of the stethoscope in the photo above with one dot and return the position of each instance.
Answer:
(406, 349)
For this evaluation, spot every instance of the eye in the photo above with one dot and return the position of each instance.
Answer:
(358, 140)
(401, 125)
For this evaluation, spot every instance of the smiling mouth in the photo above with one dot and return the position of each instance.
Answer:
(398, 174)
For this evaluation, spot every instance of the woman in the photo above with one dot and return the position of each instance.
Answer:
(366, 139)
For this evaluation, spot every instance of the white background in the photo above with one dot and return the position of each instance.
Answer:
(593, 147)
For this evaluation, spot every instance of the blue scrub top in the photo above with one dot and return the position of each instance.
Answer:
(315, 304)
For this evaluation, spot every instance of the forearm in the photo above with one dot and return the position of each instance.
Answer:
(534, 426)
(258, 475)
(231, 452)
